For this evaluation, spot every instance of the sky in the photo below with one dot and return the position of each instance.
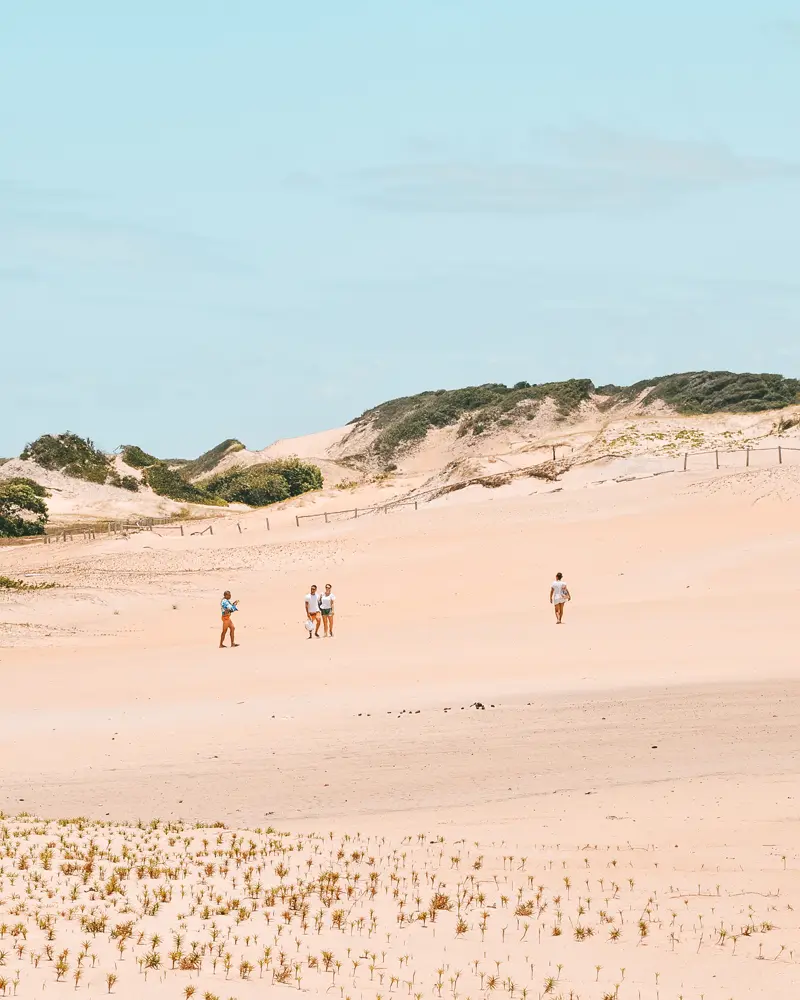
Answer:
(256, 219)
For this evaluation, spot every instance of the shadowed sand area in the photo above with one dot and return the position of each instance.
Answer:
(655, 732)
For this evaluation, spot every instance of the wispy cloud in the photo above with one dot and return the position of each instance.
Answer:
(55, 229)
(569, 170)
(787, 28)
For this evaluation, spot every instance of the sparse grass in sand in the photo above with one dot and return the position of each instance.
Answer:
(208, 912)
(7, 583)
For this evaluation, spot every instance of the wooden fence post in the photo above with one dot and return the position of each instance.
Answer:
(181, 527)
(716, 455)
(780, 456)
(326, 517)
(239, 527)
(685, 460)
(554, 453)
(297, 520)
(747, 459)
(267, 524)
(415, 505)
(355, 512)
(211, 529)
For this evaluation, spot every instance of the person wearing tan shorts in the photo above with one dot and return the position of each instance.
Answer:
(228, 607)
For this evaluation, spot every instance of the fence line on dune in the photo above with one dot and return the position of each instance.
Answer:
(107, 528)
(496, 478)
(103, 528)
(747, 451)
(360, 511)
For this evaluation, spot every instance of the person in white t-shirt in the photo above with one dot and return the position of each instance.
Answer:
(312, 611)
(559, 595)
(326, 606)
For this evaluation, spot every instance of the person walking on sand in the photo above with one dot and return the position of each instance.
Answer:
(228, 608)
(312, 610)
(559, 595)
(326, 605)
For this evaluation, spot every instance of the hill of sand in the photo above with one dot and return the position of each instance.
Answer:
(654, 434)
(453, 797)
(644, 437)
(313, 448)
(75, 500)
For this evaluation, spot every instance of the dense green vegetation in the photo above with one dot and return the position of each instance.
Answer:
(475, 409)
(210, 459)
(74, 456)
(267, 483)
(257, 485)
(718, 392)
(23, 510)
(170, 483)
(37, 488)
(133, 456)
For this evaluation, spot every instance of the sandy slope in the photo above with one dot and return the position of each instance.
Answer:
(315, 448)
(76, 500)
(650, 742)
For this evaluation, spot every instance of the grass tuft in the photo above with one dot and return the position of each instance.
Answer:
(8, 583)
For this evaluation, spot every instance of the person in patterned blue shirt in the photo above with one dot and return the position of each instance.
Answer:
(228, 607)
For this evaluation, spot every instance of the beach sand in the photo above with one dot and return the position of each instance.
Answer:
(631, 782)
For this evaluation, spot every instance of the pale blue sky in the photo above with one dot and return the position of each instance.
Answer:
(256, 219)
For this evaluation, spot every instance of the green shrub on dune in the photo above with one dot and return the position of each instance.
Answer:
(23, 510)
(136, 458)
(408, 419)
(266, 483)
(722, 392)
(169, 483)
(477, 409)
(210, 459)
(74, 456)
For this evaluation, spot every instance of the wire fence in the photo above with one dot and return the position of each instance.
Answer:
(779, 450)
(98, 529)
(108, 528)
(354, 512)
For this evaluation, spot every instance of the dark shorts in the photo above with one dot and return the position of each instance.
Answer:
(327, 611)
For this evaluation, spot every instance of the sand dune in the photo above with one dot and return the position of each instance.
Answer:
(649, 745)
(77, 500)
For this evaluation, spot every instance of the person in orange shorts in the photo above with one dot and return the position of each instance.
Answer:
(228, 607)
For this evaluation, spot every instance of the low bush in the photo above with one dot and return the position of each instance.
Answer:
(169, 483)
(7, 583)
(269, 482)
(129, 483)
(210, 459)
(36, 488)
(68, 453)
(133, 456)
(23, 510)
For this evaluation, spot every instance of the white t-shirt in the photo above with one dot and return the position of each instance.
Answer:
(326, 601)
(559, 591)
(312, 600)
